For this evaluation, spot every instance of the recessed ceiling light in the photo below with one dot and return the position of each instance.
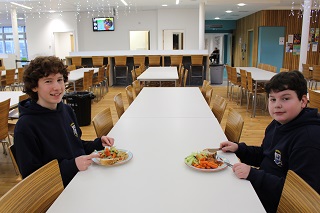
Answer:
(229, 11)
(21, 5)
(241, 4)
(164, 5)
(177, 1)
(124, 2)
(52, 11)
(20, 18)
(216, 18)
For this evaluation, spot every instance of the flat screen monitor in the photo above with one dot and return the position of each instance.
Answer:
(103, 24)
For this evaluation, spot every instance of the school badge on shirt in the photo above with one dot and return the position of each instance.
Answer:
(73, 126)
(277, 158)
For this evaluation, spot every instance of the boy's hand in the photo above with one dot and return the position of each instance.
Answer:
(241, 170)
(84, 161)
(228, 146)
(107, 141)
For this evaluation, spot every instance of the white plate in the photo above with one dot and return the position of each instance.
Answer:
(97, 160)
(222, 167)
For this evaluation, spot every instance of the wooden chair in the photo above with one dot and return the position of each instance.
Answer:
(298, 196)
(316, 76)
(209, 90)
(219, 105)
(102, 122)
(71, 67)
(77, 61)
(205, 83)
(196, 61)
(97, 61)
(175, 60)
(133, 74)
(260, 66)
(139, 60)
(181, 75)
(251, 92)
(14, 114)
(35, 193)
(136, 88)
(228, 68)
(234, 125)
(129, 93)
(120, 61)
(235, 81)
(314, 99)
(99, 82)
(154, 61)
(4, 131)
(12, 153)
(8, 81)
(185, 76)
(244, 84)
(307, 74)
(19, 81)
(118, 102)
(284, 69)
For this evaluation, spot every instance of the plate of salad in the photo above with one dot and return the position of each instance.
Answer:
(205, 162)
(111, 156)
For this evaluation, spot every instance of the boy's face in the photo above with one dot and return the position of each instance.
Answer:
(284, 106)
(50, 90)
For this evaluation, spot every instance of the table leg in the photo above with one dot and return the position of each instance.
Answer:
(74, 86)
(255, 100)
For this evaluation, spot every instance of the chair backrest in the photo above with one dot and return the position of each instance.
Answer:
(181, 75)
(102, 122)
(284, 69)
(197, 60)
(138, 60)
(314, 99)
(133, 74)
(77, 61)
(175, 60)
(97, 61)
(154, 60)
(228, 68)
(316, 73)
(20, 74)
(272, 68)
(23, 97)
(305, 71)
(10, 73)
(260, 65)
(129, 94)
(243, 76)
(219, 105)
(298, 196)
(118, 102)
(234, 125)
(4, 114)
(209, 91)
(35, 193)
(120, 61)
(185, 76)
(136, 88)
(86, 81)
(205, 83)
(101, 73)
(71, 67)
(250, 82)
(234, 76)
(138, 71)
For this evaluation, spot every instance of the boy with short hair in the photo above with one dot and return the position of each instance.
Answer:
(291, 142)
(47, 128)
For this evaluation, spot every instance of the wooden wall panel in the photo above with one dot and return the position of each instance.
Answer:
(274, 18)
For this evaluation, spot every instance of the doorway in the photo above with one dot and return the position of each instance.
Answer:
(63, 44)
(173, 39)
(139, 40)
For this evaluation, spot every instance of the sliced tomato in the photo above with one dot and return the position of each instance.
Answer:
(107, 152)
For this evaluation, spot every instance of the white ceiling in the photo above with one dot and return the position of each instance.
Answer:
(213, 8)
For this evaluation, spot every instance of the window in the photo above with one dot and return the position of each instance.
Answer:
(6, 41)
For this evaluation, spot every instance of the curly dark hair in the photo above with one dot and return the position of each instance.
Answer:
(40, 67)
(293, 80)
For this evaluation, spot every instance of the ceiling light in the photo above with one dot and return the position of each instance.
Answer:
(51, 11)
(241, 4)
(164, 5)
(177, 1)
(125, 3)
(20, 18)
(216, 18)
(21, 5)
(229, 11)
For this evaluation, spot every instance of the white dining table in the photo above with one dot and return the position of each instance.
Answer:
(77, 75)
(259, 76)
(159, 74)
(156, 179)
(13, 95)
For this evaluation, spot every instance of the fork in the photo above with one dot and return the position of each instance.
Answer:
(224, 161)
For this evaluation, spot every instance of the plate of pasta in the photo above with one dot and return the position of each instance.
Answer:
(111, 156)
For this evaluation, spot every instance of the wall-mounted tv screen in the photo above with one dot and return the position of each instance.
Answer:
(103, 24)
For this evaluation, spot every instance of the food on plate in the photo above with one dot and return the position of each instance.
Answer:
(203, 160)
(112, 155)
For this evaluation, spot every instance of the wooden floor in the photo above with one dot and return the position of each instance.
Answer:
(252, 134)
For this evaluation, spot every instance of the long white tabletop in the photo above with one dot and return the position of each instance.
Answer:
(156, 178)
(77, 74)
(159, 74)
(13, 95)
(258, 75)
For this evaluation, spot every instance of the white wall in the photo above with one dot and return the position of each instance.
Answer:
(40, 30)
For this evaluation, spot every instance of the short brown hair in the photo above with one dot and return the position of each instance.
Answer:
(40, 67)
